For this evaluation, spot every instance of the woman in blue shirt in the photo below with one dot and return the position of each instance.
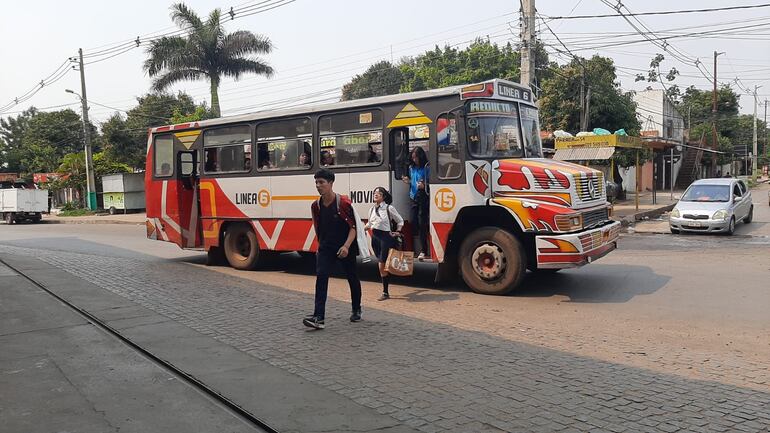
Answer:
(419, 171)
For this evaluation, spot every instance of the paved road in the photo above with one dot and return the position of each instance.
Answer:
(666, 334)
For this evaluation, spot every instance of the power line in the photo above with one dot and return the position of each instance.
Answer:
(673, 12)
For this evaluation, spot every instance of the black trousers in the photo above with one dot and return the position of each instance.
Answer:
(325, 260)
(418, 216)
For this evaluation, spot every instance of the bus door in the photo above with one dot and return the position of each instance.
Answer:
(187, 198)
(402, 141)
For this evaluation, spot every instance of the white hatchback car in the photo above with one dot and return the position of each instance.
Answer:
(712, 205)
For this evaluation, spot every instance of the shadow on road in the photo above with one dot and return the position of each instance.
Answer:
(598, 283)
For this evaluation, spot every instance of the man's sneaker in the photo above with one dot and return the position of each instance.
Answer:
(313, 322)
(384, 297)
(356, 316)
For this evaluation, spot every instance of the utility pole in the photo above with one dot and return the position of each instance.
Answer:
(715, 140)
(587, 109)
(91, 185)
(764, 131)
(527, 42)
(754, 139)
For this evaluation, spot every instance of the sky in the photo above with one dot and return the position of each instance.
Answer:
(321, 44)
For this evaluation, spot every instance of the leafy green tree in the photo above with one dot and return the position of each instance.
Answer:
(206, 52)
(48, 136)
(125, 137)
(442, 67)
(382, 78)
(11, 133)
(610, 108)
(449, 66)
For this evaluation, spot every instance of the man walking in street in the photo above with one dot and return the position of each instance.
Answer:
(335, 225)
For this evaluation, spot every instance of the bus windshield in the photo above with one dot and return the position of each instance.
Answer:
(493, 130)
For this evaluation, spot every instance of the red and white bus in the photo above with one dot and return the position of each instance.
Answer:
(241, 187)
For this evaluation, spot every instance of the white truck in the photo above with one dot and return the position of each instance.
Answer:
(19, 203)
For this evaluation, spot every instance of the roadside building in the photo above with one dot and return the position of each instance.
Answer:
(663, 129)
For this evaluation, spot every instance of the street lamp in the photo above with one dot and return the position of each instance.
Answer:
(90, 183)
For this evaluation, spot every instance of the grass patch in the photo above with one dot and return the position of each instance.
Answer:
(75, 213)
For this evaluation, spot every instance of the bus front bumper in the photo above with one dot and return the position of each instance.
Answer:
(576, 249)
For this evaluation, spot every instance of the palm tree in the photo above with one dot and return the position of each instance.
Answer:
(206, 51)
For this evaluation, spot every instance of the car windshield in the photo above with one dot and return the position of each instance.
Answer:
(707, 193)
(493, 130)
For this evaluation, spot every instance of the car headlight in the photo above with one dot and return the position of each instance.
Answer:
(720, 215)
(675, 213)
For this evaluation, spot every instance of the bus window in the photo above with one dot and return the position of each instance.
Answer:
(351, 139)
(164, 155)
(449, 164)
(531, 132)
(284, 145)
(227, 150)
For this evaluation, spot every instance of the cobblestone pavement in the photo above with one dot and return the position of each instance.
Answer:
(430, 376)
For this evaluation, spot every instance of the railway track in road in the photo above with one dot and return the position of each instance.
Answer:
(229, 405)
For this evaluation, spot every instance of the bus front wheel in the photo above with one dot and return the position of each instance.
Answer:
(492, 261)
(241, 247)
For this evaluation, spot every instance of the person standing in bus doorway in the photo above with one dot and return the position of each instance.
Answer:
(419, 170)
(335, 225)
(384, 234)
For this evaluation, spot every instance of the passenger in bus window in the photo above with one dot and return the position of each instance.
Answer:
(327, 158)
(373, 157)
(211, 160)
(419, 171)
(402, 152)
(386, 224)
(304, 159)
(263, 157)
(165, 169)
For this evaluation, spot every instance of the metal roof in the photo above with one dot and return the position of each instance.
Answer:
(584, 153)
(343, 105)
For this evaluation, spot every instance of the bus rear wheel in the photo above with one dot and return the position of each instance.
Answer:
(241, 247)
(492, 261)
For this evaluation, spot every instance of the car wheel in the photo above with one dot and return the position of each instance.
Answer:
(674, 231)
(9, 218)
(731, 227)
(750, 216)
(492, 261)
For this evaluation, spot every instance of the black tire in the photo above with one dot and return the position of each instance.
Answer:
(112, 210)
(731, 227)
(750, 216)
(215, 257)
(9, 219)
(241, 247)
(496, 253)
(674, 231)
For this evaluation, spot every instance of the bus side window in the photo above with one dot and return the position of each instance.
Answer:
(284, 145)
(164, 155)
(227, 150)
(449, 163)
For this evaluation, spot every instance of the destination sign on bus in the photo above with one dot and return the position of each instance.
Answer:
(508, 91)
(490, 107)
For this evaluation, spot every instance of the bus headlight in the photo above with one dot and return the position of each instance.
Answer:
(720, 215)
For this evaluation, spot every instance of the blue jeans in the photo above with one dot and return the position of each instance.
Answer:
(325, 260)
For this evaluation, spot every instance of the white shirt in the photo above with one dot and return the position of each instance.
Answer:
(380, 222)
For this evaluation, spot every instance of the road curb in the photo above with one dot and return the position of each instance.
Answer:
(629, 220)
(91, 221)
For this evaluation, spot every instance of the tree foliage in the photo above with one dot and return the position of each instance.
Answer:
(382, 78)
(442, 67)
(207, 51)
(610, 108)
(37, 141)
(125, 138)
